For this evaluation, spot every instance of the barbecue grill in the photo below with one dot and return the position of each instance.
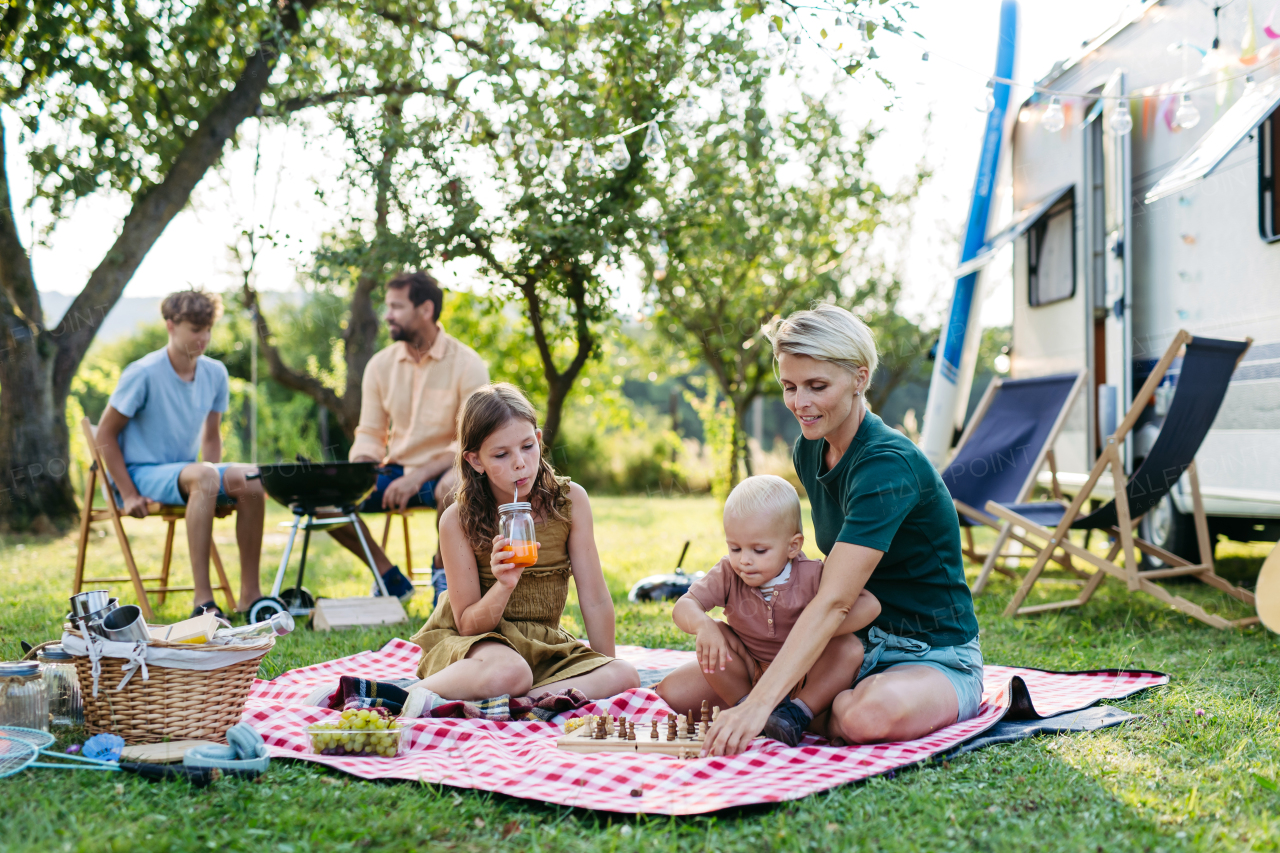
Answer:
(309, 488)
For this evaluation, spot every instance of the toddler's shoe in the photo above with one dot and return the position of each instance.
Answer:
(787, 723)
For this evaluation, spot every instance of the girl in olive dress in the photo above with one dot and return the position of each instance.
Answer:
(497, 629)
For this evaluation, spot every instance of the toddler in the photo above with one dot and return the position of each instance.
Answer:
(763, 585)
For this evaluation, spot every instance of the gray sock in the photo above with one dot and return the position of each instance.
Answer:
(803, 707)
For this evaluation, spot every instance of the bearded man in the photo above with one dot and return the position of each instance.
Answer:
(411, 394)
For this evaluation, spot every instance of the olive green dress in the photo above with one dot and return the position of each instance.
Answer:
(531, 622)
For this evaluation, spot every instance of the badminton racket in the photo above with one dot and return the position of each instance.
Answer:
(18, 752)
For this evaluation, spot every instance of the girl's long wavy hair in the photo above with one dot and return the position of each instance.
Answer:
(487, 410)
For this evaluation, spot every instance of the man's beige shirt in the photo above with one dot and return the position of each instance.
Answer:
(409, 408)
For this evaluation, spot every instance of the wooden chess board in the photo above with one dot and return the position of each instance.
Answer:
(669, 735)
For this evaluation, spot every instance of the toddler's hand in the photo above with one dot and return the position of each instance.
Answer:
(712, 649)
(505, 572)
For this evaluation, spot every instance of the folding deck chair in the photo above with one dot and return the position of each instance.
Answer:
(168, 514)
(1202, 383)
(1008, 440)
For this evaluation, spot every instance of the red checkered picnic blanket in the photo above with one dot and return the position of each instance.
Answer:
(521, 758)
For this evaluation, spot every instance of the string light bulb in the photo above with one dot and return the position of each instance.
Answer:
(988, 99)
(774, 45)
(619, 156)
(558, 160)
(730, 91)
(587, 160)
(860, 48)
(1053, 119)
(841, 37)
(1187, 115)
(1121, 122)
(505, 144)
(687, 113)
(655, 148)
(530, 157)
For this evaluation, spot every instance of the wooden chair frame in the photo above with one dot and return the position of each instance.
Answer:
(991, 560)
(408, 551)
(1126, 543)
(166, 513)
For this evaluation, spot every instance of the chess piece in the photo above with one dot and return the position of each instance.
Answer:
(654, 734)
(622, 728)
(706, 711)
(671, 727)
(598, 734)
(683, 722)
(632, 731)
(715, 713)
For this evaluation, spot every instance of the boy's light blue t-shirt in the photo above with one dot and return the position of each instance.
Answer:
(167, 415)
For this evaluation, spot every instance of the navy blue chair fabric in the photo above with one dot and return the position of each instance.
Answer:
(1201, 387)
(998, 457)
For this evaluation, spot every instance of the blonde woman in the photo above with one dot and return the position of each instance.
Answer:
(886, 523)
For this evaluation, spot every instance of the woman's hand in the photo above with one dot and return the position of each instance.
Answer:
(711, 647)
(505, 573)
(735, 728)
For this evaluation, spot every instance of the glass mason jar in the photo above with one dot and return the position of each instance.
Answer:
(23, 700)
(58, 669)
(515, 523)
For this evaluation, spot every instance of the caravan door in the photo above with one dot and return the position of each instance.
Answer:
(1115, 350)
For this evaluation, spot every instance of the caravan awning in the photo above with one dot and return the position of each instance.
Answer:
(1027, 217)
(1212, 148)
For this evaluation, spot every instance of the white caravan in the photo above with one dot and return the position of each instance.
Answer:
(1121, 239)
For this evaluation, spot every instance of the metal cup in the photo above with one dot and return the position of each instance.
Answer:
(90, 601)
(126, 625)
(91, 623)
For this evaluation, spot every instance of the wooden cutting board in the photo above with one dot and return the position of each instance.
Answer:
(162, 753)
(337, 613)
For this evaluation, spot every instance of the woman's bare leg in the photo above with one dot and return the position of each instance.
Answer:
(617, 676)
(898, 705)
(489, 669)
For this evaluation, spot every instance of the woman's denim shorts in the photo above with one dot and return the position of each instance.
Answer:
(962, 665)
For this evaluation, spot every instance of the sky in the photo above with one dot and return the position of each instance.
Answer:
(272, 179)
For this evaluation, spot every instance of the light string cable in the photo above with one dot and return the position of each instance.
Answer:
(930, 53)
(1145, 91)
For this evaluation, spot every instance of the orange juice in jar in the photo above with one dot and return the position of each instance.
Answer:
(515, 523)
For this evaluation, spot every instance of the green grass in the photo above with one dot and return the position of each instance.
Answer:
(1174, 781)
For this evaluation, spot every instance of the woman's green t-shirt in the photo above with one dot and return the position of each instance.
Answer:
(884, 494)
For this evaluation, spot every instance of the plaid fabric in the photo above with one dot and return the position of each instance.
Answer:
(521, 759)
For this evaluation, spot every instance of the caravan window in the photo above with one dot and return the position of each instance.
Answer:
(1268, 161)
(1051, 253)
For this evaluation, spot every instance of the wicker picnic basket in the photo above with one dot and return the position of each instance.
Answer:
(172, 704)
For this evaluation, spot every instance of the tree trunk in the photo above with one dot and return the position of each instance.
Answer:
(39, 364)
(559, 383)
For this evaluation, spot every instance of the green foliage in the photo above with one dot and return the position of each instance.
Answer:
(129, 81)
(718, 427)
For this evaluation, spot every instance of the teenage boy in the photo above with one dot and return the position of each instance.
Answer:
(164, 415)
(411, 394)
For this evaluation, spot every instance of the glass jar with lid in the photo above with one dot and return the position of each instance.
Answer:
(58, 669)
(515, 523)
(23, 701)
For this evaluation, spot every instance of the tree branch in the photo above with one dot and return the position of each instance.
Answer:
(281, 372)
(159, 205)
(402, 88)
